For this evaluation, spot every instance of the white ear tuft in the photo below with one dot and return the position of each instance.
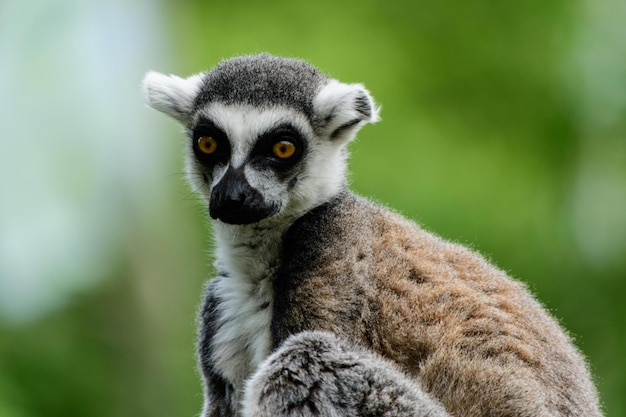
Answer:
(172, 95)
(341, 109)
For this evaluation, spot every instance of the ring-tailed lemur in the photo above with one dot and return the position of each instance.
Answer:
(326, 304)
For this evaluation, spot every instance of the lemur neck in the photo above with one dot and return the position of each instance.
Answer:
(250, 251)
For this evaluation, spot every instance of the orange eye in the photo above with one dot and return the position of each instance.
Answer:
(284, 149)
(207, 145)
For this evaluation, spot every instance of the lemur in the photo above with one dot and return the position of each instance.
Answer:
(326, 304)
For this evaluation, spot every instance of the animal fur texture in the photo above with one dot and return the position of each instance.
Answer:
(316, 373)
(326, 304)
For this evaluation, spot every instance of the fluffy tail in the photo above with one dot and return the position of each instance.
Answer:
(317, 374)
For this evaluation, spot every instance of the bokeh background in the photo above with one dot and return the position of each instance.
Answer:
(504, 128)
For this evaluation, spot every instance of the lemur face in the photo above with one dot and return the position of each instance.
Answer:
(266, 135)
(250, 163)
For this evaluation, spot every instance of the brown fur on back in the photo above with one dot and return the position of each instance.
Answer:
(471, 336)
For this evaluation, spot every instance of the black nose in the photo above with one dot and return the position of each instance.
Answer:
(235, 201)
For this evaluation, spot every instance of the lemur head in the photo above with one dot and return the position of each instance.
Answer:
(266, 135)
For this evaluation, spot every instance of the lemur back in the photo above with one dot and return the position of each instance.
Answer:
(466, 332)
(326, 304)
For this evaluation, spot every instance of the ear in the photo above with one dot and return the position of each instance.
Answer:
(342, 109)
(172, 95)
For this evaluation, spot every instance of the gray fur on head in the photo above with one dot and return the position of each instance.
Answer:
(261, 81)
(317, 374)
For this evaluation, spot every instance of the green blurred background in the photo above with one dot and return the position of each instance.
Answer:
(504, 128)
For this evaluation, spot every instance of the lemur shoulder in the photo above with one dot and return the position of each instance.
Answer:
(326, 304)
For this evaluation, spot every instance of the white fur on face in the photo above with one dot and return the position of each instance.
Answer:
(323, 174)
(243, 124)
(340, 110)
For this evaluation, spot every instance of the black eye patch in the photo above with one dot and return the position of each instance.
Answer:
(204, 130)
(269, 150)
